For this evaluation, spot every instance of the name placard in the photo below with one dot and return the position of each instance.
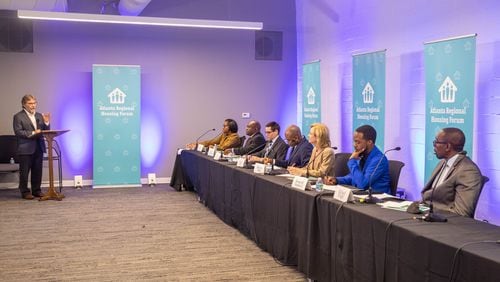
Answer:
(200, 148)
(241, 162)
(300, 182)
(211, 152)
(259, 168)
(218, 155)
(343, 194)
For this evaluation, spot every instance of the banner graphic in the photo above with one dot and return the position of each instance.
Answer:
(449, 87)
(116, 126)
(311, 95)
(369, 92)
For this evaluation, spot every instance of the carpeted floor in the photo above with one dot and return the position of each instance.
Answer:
(128, 234)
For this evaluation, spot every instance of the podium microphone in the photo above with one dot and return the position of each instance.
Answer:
(370, 199)
(430, 216)
(205, 133)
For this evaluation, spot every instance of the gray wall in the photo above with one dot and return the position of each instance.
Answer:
(192, 79)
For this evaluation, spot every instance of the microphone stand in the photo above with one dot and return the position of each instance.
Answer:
(205, 133)
(370, 199)
(430, 216)
(253, 151)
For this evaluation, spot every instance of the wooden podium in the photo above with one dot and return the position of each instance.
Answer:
(51, 193)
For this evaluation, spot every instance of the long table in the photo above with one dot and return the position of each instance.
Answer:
(332, 241)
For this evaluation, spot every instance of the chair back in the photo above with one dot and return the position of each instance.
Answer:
(8, 145)
(394, 173)
(484, 179)
(340, 164)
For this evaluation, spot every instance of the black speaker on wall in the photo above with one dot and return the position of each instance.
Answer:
(16, 35)
(268, 45)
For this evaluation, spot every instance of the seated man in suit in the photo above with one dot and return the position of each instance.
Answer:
(275, 148)
(456, 181)
(362, 164)
(299, 152)
(227, 139)
(252, 143)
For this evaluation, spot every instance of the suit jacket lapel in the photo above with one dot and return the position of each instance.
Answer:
(28, 120)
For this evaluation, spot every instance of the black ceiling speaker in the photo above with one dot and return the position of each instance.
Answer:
(16, 35)
(268, 45)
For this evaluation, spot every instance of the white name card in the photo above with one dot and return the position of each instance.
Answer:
(241, 162)
(300, 182)
(259, 168)
(200, 148)
(211, 152)
(218, 155)
(343, 194)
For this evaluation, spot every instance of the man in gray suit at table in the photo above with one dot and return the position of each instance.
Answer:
(28, 124)
(456, 182)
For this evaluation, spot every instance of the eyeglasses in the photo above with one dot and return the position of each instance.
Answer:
(438, 142)
(269, 132)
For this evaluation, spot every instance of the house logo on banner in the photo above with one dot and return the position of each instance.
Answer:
(311, 96)
(368, 93)
(448, 91)
(117, 96)
(368, 111)
(443, 112)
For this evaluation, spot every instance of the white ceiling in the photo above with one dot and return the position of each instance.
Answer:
(40, 5)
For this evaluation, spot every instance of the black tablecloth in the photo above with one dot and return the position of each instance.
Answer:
(331, 241)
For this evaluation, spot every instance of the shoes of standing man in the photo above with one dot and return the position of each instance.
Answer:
(39, 195)
(28, 196)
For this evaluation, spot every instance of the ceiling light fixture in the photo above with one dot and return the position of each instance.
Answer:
(99, 18)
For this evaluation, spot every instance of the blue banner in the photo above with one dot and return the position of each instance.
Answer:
(117, 126)
(311, 95)
(368, 88)
(449, 87)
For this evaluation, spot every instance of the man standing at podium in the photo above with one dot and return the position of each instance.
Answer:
(28, 125)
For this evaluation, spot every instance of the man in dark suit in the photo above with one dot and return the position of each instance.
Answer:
(456, 180)
(254, 140)
(275, 148)
(28, 125)
(299, 152)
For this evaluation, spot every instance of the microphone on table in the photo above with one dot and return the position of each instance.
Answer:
(256, 149)
(205, 133)
(370, 199)
(430, 216)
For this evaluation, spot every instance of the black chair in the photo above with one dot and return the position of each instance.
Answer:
(394, 172)
(340, 164)
(484, 179)
(242, 140)
(8, 145)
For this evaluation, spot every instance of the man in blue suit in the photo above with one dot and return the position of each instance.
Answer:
(363, 162)
(28, 125)
(300, 149)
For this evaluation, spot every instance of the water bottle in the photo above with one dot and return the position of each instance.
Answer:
(319, 184)
(12, 160)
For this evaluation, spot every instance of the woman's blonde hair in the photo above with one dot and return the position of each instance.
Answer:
(321, 132)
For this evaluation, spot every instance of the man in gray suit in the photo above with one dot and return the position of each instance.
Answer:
(456, 182)
(28, 124)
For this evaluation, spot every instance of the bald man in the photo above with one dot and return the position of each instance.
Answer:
(252, 142)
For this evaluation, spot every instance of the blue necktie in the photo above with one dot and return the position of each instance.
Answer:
(289, 153)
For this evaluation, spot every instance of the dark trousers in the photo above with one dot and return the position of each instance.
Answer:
(33, 163)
